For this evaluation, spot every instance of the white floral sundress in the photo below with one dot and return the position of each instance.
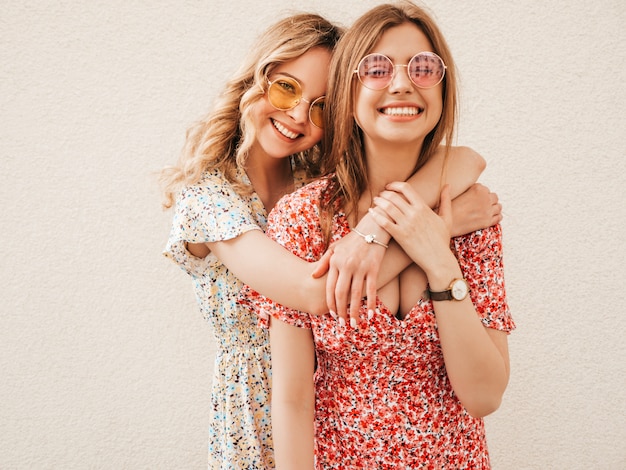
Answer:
(240, 423)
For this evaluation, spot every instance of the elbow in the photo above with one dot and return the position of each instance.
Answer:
(318, 308)
(481, 163)
(484, 406)
(315, 295)
(482, 399)
(472, 162)
(478, 160)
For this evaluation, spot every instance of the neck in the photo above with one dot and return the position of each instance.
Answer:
(270, 177)
(387, 163)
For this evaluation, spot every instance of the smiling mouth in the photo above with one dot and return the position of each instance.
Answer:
(402, 111)
(284, 131)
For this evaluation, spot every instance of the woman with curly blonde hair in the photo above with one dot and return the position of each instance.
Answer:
(260, 142)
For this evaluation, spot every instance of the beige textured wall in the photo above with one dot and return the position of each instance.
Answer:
(105, 361)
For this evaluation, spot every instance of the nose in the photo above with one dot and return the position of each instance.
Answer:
(400, 82)
(300, 112)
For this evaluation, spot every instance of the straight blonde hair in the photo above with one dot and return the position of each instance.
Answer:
(343, 137)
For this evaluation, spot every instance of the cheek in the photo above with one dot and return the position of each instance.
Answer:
(434, 103)
(256, 112)
(316, 134)
(261, 106)
(437, 98)
(360, 106)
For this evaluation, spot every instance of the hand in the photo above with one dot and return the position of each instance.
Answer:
(351, 264)
(476, 208)
(422, 233)
(322, 264)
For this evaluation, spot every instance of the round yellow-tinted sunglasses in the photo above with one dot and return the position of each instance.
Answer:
(285, 93)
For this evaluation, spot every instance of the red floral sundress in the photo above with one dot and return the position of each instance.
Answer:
(383, 398)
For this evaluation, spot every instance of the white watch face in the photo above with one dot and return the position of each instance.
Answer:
(459, 289)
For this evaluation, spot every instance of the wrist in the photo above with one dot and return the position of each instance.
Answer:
(457, 290)
(368, 225)
(370, 238)
(440, 276)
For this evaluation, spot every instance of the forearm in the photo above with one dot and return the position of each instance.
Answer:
(292, 428)
(476, 358)
(476, 361)
(293, 395)
(273, 271)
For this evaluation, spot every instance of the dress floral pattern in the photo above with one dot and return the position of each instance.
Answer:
(383, 398)
(240, 423)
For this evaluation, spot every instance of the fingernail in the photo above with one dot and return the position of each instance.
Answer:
(333, 314)
(370, 314)
(353, 322)
(342, 322)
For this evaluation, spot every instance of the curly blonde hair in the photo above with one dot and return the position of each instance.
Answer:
(222, 139)
(343, 137)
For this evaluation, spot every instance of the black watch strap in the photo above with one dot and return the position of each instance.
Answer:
(457, 290)
(442, 295)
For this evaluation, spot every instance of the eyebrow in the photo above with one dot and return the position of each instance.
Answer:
(395, 60)
(286, 74)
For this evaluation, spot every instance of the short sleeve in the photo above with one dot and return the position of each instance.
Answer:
(480, 257)
(207, 212)
(266, 308)
(294, 224)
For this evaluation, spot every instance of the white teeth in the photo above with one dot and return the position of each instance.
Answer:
(404, 111)
(284, 131)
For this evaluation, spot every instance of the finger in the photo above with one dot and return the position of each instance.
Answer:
(395, 186)
(498, 214)
(409, 194)
(370, 292)
(390, 209)
(322, 265)
(401, 187)
(342, 296)
(331, 284)
(355, 301)
(393, 197)
(381, 218)
(396, 197)
(497, 208)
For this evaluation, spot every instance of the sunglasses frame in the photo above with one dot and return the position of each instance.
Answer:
(297, 100)
(393, 75)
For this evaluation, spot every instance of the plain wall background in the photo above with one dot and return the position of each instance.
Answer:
(104, 358)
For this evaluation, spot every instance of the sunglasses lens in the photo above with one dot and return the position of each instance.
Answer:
(426, 69)
(284, 93)
(316, 112)
(375, 71)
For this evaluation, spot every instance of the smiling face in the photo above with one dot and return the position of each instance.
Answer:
(401, 113)
(283, 133)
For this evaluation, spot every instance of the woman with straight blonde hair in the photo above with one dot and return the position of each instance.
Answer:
(408, 386)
